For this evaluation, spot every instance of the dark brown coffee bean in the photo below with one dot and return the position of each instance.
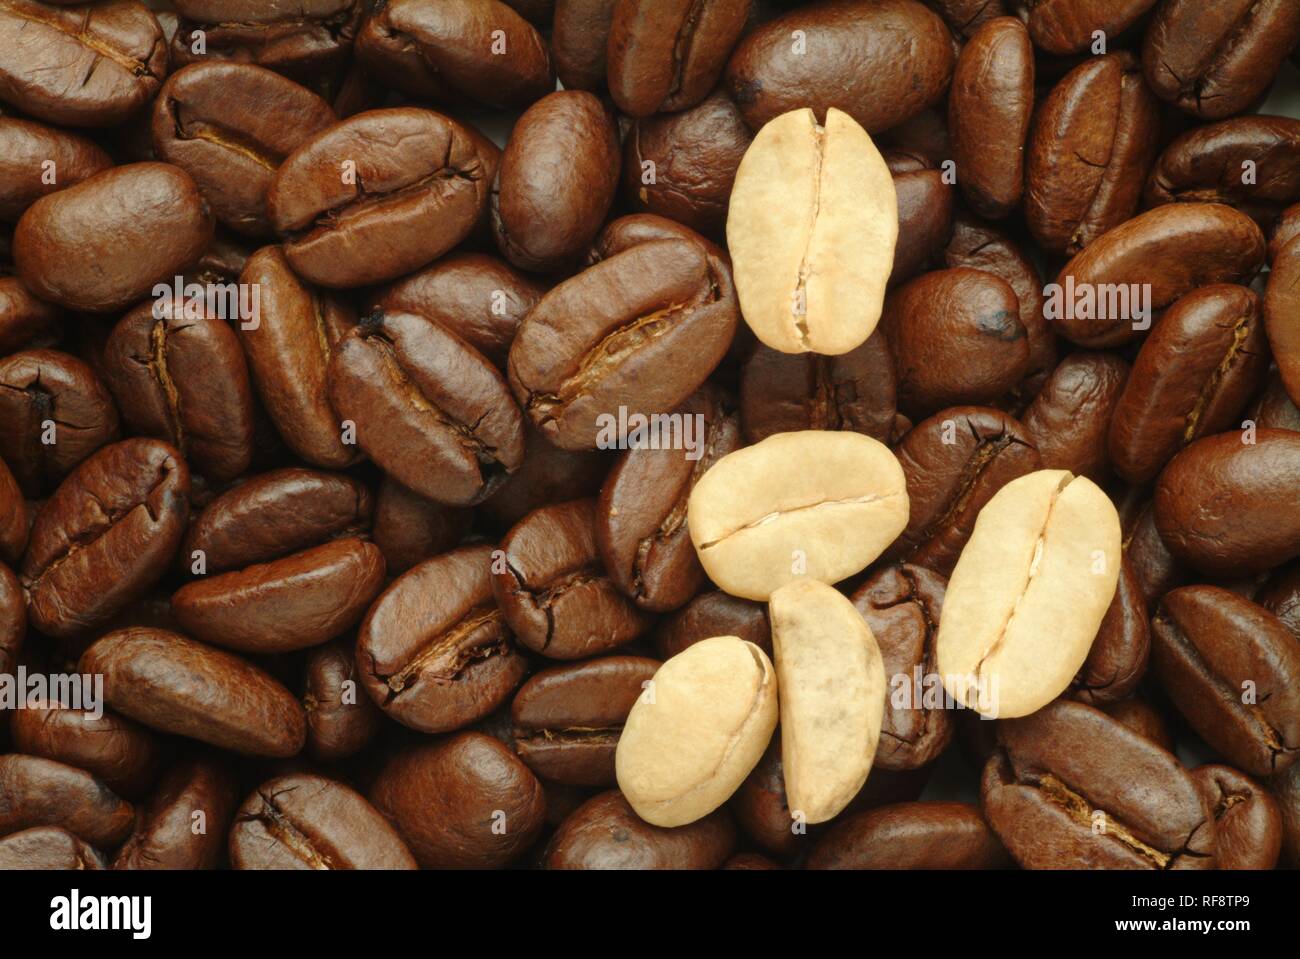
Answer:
(1233, 670)
(964, 17)
(762, 810)
(637, 228)
(714, 614)
(1154, 567)
(434, 651)
(176, 685)
(1255, 524)
(548, 475)
(1281, 597)
(580, 41)
(1273, 409)
(1069, 420)
(1281, 304)
(1119, 655)
(925, 217)
(902, 605)
(879, 62)
(106, 535)
(954, 462)
(427, 407)
(13, 619)
(48, 847)
(54, 412)
(1071, 788)
(1286, 790)
(310, 822)
(542, 222)
(567, 719)
(553, 588)
(1070, 26)
(1143, 718)
(42, 792)
(1285, 229)
(410, 529)
(31, 154)
(1193, 378)
(1247, 819)
(184, 825)
(577, 359)
(121, 753)
(14, 521)
(379, 195)
(25, 321)
(464, 802)
(921, 835)
(341, 719)
(666, 55)
(604, 833)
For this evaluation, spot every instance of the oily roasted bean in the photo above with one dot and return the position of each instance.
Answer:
(48, 847)
(925, 217)
(42, 792)
(1069, 26)
(1069, 768)
(435, 652)
(554, 591)
(666, 55)
(714, 613)
(1069, 420)
(111, 747)
(1281, 307)
(1281, 597)
(580, 41)
(420, 184)
(14, 521)
(309, 822)
(1233, 670)
(920, 835)
(1248, 822)
(195, 791)
(341, 720)
(762, 810)
(427, 406)
(1273, 409)
(106, 535)
(56, 412)
(579, 355)
(638, 228)
(1286, 789)
(1154, 566)
(604, 833)
(1285, 229)
(1118, 658)
(410, 529)
(25, 321)
(1143, 718)
(548, 475)
(25, 149)
(13, 619)
(445, 797)
(568, 719)
(964, 17)
(176, 685)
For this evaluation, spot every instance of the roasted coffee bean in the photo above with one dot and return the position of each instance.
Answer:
(13, 619)
(1273, 409)
(541, 223)
(1233, 670)
(548, 475)
(1285, 229)
(879, 62)
(435, 652)
(553, 589)
(1143, 718)
(418, 184)
(964, 17)
(1121, 650)
(14, 521)
(1214, 60)
(954, 462)
(193, 792)
(1070, 26)
(1248, 823)
(762, 810)
(638, 228)
(925, 216)
(921, 835)
(42, 792)
(1154, 566)
(1280, 310)
(1286, 790)
(48, 847)
(56, 412)
(410, 529)
(902, 605)
(111, 747)
(714, 614)
(1070, 418)
(341, 721)
(579, 356)
(176, 685)
(427, 407)
(310, 822)
(604, 833)
(106, 536)
(25, 321)
(1281, 597)
(1071, 788)
(451, 799)
(1255, 524)
(568, 719)
(476, 50)
(1192, 378)
(26, 151)
(666, 55)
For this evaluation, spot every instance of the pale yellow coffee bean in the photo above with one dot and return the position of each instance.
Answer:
(832, 682)
(696, 732)
(811, 229)
(1028, 594)
(817, 504)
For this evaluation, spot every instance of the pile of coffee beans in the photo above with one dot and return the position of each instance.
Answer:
(649, 434)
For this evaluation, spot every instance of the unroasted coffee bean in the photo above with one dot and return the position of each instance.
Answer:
(300, 39)
(703, 723)
(1280, 309)
(1118, 658)
(879, 62)
(341, 719)
(1072, 788)
(56, 412)
(195, 792)
(902, 605)
(1248, 823)
(954, 463)
(434, 651)
(464, 802)
(176, 685)
(1028, 594)
(666, 55)
(1233, 670)
(48, 847)
(579, 355)
(1256, 525)
(310, 822)
(1069, 26)
(80, 67)
(229, 126)
(568, 719)
(418, 184)
(42, 792)
(921, 835)
(580, 41)
(604, 833)
(1215, 59)
(757, 524)
(410, 529)
(714, 614)
(1193, 377)
(1070, 418)
(25, 321)
(811, 228)
(25, 149)
(106, 535)
(184, 380)
(109, 746)
(541, 222)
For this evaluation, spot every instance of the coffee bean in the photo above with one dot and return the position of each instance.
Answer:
(1143, 718)
(925, 216)
(410, 529)
(42, 792)
(1280, 304)
(1248, 823)
(1072, 415)
(25, 146)
(605, 833)
(1121, 650)
(197, 792)
(922, 835)
(111, 747)
(714, 614)
(48, 847)
(1069, 26)
(579, 41)
(1281, 597)
(13, 619)
(25, 321)
(1286, 790)
(341, 720)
